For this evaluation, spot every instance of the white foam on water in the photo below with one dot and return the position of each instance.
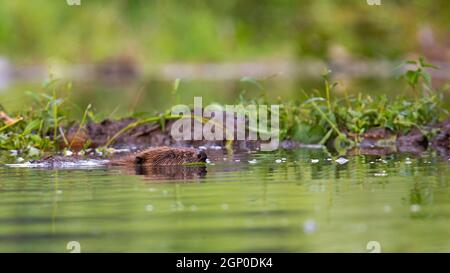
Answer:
(81, 164)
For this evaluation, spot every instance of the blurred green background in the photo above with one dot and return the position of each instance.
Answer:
(123, 55)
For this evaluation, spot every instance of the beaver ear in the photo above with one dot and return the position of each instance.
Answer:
(202, 156)
(138, 160)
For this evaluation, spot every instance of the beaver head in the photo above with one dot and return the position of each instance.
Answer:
(167, 156)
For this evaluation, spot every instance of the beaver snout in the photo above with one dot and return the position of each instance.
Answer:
(202, 156)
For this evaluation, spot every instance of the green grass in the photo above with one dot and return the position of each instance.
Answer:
(315, 119)
(318, 119)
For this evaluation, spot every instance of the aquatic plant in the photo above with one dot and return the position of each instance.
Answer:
(317, 119)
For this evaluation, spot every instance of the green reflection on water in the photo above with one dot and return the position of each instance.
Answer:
(295, 205)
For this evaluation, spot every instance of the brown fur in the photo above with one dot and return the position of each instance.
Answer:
(162, 156)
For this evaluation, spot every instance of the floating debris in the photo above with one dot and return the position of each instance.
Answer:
(253, 161)
(309, 226)
(381, 174)
(314, 161)
(382, 160)
(408, 161)
(278, 161)
(342, 160)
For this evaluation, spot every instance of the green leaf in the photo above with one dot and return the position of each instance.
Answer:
(34, 124)
(426, 78)
(313, 99)
(308, 134)
(252, 81)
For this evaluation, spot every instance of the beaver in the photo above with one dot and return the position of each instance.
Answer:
(163, 163)
(162, 156)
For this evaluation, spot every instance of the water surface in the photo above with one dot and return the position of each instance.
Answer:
(301, 201)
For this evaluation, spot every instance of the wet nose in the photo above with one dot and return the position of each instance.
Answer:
(202, 156)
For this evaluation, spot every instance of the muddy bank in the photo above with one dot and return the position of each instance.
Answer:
(95, 135)
(375, 140)
(379, 141)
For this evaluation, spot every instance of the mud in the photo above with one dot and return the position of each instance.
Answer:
(153, 135)
(413, 142)
(97, 134)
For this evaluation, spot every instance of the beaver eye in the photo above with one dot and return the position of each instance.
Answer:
(139, 160)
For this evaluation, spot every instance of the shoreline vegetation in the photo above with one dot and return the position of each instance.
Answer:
(372, 124)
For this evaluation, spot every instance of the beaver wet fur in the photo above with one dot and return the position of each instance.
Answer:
(162, 156)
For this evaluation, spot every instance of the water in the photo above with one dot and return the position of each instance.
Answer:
(302, 201)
